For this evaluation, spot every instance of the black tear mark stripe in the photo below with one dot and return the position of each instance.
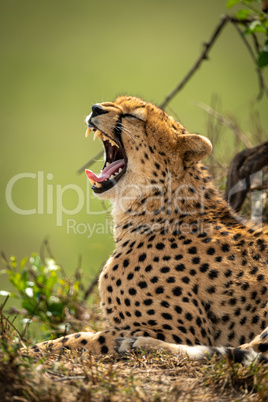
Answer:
(118, 127)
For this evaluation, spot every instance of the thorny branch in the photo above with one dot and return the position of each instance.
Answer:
(204, 56)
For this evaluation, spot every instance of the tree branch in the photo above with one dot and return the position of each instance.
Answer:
(262, 85)
(92, 160)
(204, 56)
(242, 167)
(91, 286)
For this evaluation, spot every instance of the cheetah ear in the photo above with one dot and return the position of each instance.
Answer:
(193, 147)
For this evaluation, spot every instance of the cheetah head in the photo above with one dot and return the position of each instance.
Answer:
(142, 146)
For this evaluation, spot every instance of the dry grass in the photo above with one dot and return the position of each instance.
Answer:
(136, 376)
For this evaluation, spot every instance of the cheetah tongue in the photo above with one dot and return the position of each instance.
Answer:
(106, 172)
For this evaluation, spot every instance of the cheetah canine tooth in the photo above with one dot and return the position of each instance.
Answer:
(102, 136)
(88, 131)
(97, 134)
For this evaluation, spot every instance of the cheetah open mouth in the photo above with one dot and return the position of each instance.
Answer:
(114, 166)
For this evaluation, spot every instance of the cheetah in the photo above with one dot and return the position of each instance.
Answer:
(187, 274)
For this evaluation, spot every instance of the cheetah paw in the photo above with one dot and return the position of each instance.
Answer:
(125, 344)
(139, 342)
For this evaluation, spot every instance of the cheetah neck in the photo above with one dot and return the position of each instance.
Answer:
(187, 202)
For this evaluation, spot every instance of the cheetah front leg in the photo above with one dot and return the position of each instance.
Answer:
(96, 343)
(104, 342)
(114, 340)
(148, 343)
(197, 352)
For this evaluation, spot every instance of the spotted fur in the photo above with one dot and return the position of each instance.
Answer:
(187, 274)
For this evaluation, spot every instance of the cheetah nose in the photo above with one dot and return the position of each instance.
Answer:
(97, 110)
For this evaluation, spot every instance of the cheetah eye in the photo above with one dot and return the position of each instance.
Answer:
(127, 115)
(131, 116)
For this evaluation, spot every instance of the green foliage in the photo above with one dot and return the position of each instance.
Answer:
(45, 292)
(263, 56)
(257, 24)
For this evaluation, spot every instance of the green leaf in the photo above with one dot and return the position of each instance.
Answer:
(51, 281)
(30, 306)
(57, 309)
(243, 14)
(255, 26)
(231, 3)
(15, 279)
(23, 262)
(263, 56)
(249, 1)
(13, 262)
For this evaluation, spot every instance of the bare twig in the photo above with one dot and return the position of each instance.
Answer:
(262, 85)
(3, 304)
(204, 56)
(32, 315)
(45, 247)
(5, 261)
(62, 377)
(227, 122)
(3, 317)
(259, 188)
(91, 286)
(73, 377)
(92, 160)
(256, 43)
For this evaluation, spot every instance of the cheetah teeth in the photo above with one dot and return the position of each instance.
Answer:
(95, 183)
(91, 181)
(97, 134)
(112, 142)
(103, 137)
(88, 131)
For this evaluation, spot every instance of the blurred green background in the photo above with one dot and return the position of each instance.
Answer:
(60, 57)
